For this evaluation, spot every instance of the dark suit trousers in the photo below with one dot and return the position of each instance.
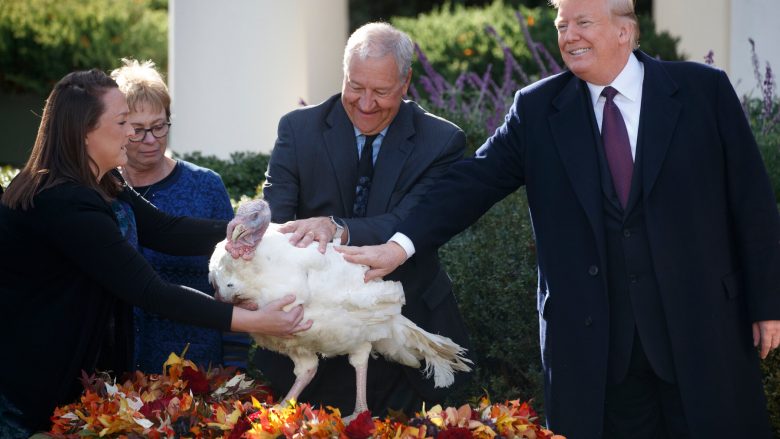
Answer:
(643, 406)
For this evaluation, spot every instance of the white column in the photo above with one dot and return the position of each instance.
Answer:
(756, 19)
(724, 27)
(702, 25)
(235, 67)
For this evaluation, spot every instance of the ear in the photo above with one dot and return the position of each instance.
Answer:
(407, 81)
(625, 29)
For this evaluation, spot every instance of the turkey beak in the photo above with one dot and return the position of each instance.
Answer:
(239, 231)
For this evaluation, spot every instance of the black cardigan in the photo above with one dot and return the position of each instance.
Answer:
(65, 268)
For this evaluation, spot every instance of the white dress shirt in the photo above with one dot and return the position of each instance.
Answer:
(629, 98)
(628, 83)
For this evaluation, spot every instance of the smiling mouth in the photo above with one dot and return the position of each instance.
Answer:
(577, 52)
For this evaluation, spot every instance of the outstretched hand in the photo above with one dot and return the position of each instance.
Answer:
(766, 336)
(271, 319)
(304, 232)
(381, 259)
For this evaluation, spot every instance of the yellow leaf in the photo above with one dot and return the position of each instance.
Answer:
(173, 359)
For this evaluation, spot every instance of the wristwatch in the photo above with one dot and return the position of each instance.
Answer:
(340, 224)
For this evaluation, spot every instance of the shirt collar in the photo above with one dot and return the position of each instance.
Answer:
(381, 134)
(628, 83)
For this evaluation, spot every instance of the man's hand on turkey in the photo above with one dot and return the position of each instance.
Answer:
(381, 259)
(304, 232)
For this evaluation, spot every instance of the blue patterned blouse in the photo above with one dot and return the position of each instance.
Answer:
(188, 191)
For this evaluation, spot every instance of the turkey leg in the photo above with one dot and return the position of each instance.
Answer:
(305, 369)
(359, 360)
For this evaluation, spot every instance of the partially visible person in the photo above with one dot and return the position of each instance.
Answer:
(352, 168)
(180, 188)
(66, 265)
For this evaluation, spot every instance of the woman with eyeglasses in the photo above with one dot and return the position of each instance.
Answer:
(67, 269)
(176, 187)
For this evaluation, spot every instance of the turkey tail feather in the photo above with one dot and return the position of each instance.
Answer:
(443, 357)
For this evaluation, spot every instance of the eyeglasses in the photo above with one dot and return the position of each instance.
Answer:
(158, 131)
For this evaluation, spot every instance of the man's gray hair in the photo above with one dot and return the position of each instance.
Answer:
(619, 8)
(375, 40)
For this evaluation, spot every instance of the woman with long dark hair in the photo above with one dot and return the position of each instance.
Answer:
(68, 274)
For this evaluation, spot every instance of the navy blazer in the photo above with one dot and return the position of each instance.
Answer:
(712, 223)
(312, 172)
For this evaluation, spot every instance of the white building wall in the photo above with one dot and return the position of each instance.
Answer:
(724, 27)
(235, 67)
(759, 20)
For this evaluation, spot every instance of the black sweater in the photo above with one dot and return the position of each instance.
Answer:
(65, 269)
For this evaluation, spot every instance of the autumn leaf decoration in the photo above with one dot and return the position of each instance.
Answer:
(185, 401)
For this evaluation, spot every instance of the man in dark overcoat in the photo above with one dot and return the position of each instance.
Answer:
(657, 232)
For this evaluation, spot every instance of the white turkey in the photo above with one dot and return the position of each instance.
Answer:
(350, 317)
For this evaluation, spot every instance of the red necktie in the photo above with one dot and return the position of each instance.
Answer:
(617, 146)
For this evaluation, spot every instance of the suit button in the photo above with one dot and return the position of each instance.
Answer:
(593, 270)
(627, 233)
(633, 278)
(588, 321)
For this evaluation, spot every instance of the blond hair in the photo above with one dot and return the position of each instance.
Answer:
(618, 8)
(142, 84)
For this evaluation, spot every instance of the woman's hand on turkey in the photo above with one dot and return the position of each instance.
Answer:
(304, 232)
(271, 319)
(381, 259)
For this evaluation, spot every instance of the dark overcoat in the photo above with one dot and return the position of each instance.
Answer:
(712, 226)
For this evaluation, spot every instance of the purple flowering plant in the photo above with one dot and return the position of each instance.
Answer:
(477, 101)
(763, 112)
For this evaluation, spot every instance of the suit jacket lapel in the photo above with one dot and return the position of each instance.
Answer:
(341, 146)
(658, 119)
(576, 142)
(393, 153)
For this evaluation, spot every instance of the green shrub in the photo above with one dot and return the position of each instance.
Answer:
(455, 40)
(6, 174)
(767, 132)
(42, 40)
(493, 267)
(771, 370)
(243, 174)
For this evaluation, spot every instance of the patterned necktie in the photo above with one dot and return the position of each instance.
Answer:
(617, 146)
(365, 173)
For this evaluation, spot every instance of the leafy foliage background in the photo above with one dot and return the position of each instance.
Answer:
(42, 40)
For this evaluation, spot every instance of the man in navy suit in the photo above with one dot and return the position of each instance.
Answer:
(658, 240)
(351, 168)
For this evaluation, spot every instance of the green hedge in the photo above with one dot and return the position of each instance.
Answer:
(6, 174)
(42, 40)
(243, 173)
(455, 40)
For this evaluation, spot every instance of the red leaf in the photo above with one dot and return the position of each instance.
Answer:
(242, 426)
(196, 381)
(455, 433)
(361, 427)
